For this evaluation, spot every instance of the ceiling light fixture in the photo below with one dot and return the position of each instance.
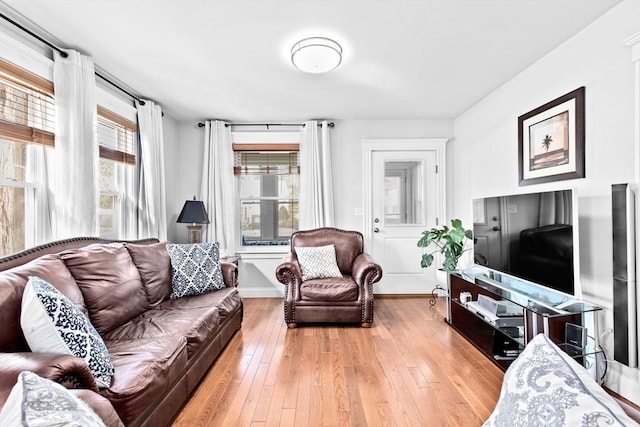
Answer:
(316, 55)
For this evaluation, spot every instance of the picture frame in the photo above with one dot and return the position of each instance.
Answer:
(551, 140)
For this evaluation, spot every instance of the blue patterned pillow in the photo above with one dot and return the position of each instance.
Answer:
(52, 323)
(544, 386)
(195, 269)
(36, 401)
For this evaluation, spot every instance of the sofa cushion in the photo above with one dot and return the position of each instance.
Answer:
(318, 262)
(195, 269)
(198, 325)
(36, 401)
(544, 386)
(107, 276)
(145, 369)
(12, 283)
(227, 301)
(334, 289)
(154, 266)
(51, 323)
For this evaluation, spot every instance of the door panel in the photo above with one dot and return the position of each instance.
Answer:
(403, 205)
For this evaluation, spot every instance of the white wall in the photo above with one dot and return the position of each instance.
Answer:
(483, 159)
(257, 272)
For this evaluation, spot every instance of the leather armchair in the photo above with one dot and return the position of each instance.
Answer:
(348, 299)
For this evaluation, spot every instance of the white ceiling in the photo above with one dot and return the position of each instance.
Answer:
(230, 59)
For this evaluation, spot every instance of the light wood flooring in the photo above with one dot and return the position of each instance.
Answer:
(409, 369)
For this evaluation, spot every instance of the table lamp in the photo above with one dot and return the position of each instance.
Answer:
(194, 213)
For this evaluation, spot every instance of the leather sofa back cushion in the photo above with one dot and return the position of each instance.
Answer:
(154, 266)
(12, 284)
(110, 284)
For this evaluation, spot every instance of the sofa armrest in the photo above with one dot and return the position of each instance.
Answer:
(365, 270)
(70, 371)
(229, 274)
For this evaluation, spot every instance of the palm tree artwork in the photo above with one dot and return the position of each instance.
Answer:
(546, 142)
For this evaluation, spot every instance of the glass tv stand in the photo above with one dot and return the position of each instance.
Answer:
(500, 314)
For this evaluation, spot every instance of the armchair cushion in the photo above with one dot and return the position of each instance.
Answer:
(332, 289)
(318, 262)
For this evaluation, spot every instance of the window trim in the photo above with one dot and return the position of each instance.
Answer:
(266, 141)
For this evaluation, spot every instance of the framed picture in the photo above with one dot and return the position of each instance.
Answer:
(551, 140)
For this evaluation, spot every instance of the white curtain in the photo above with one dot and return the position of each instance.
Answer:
(218, 187)
(316, 184)
(152, 210)
(554, 208)
(76, 151)
(125, 183)
(37, 205)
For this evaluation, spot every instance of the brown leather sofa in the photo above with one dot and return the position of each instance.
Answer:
(160, 347)
(346, 299)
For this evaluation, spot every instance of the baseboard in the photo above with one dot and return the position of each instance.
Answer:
(248, 292)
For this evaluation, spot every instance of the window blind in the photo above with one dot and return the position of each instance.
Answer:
(276, 160)
(116, 137)
(27, 106)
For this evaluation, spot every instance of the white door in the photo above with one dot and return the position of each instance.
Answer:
(404, 201)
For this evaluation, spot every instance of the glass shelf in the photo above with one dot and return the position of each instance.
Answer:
(538, 299)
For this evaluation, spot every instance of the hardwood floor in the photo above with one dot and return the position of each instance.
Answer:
(409, 369)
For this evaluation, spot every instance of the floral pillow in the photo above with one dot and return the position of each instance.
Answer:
(544, 386)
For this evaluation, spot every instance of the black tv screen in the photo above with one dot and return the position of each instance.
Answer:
(532, 236)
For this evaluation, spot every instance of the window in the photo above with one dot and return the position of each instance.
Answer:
(268, 183)
(27, 119)
(116, 138)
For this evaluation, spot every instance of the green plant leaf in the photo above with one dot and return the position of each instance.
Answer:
(427, 260)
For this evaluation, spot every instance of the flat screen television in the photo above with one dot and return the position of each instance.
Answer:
(532, 236)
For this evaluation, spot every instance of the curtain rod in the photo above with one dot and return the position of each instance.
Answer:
(330, 124)
(65, 54)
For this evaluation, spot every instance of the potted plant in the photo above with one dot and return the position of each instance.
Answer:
(450, 243)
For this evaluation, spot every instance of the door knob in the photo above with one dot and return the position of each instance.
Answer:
(376, 230)
(496, 228)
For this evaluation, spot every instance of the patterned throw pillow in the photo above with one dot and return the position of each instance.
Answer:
(38, 402)
(195, 269)
(318, 262)
(52, 323)
(546, 387)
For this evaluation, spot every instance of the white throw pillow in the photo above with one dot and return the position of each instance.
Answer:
(318, 262)
(51, 323)
(195, 269)
(544, 386)
(38, 402)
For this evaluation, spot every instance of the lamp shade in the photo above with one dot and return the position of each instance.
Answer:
(316, 54)
(193, 212)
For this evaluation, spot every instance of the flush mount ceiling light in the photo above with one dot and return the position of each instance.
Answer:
(316, 55)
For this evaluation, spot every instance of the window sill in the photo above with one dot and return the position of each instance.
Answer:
(262, 252)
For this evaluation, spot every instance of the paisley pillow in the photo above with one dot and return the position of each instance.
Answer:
(38, 402)
(544, 386)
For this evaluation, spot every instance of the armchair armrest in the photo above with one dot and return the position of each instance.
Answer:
(229, 274)
(365, 270)
(70, 371)
(288, 271)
